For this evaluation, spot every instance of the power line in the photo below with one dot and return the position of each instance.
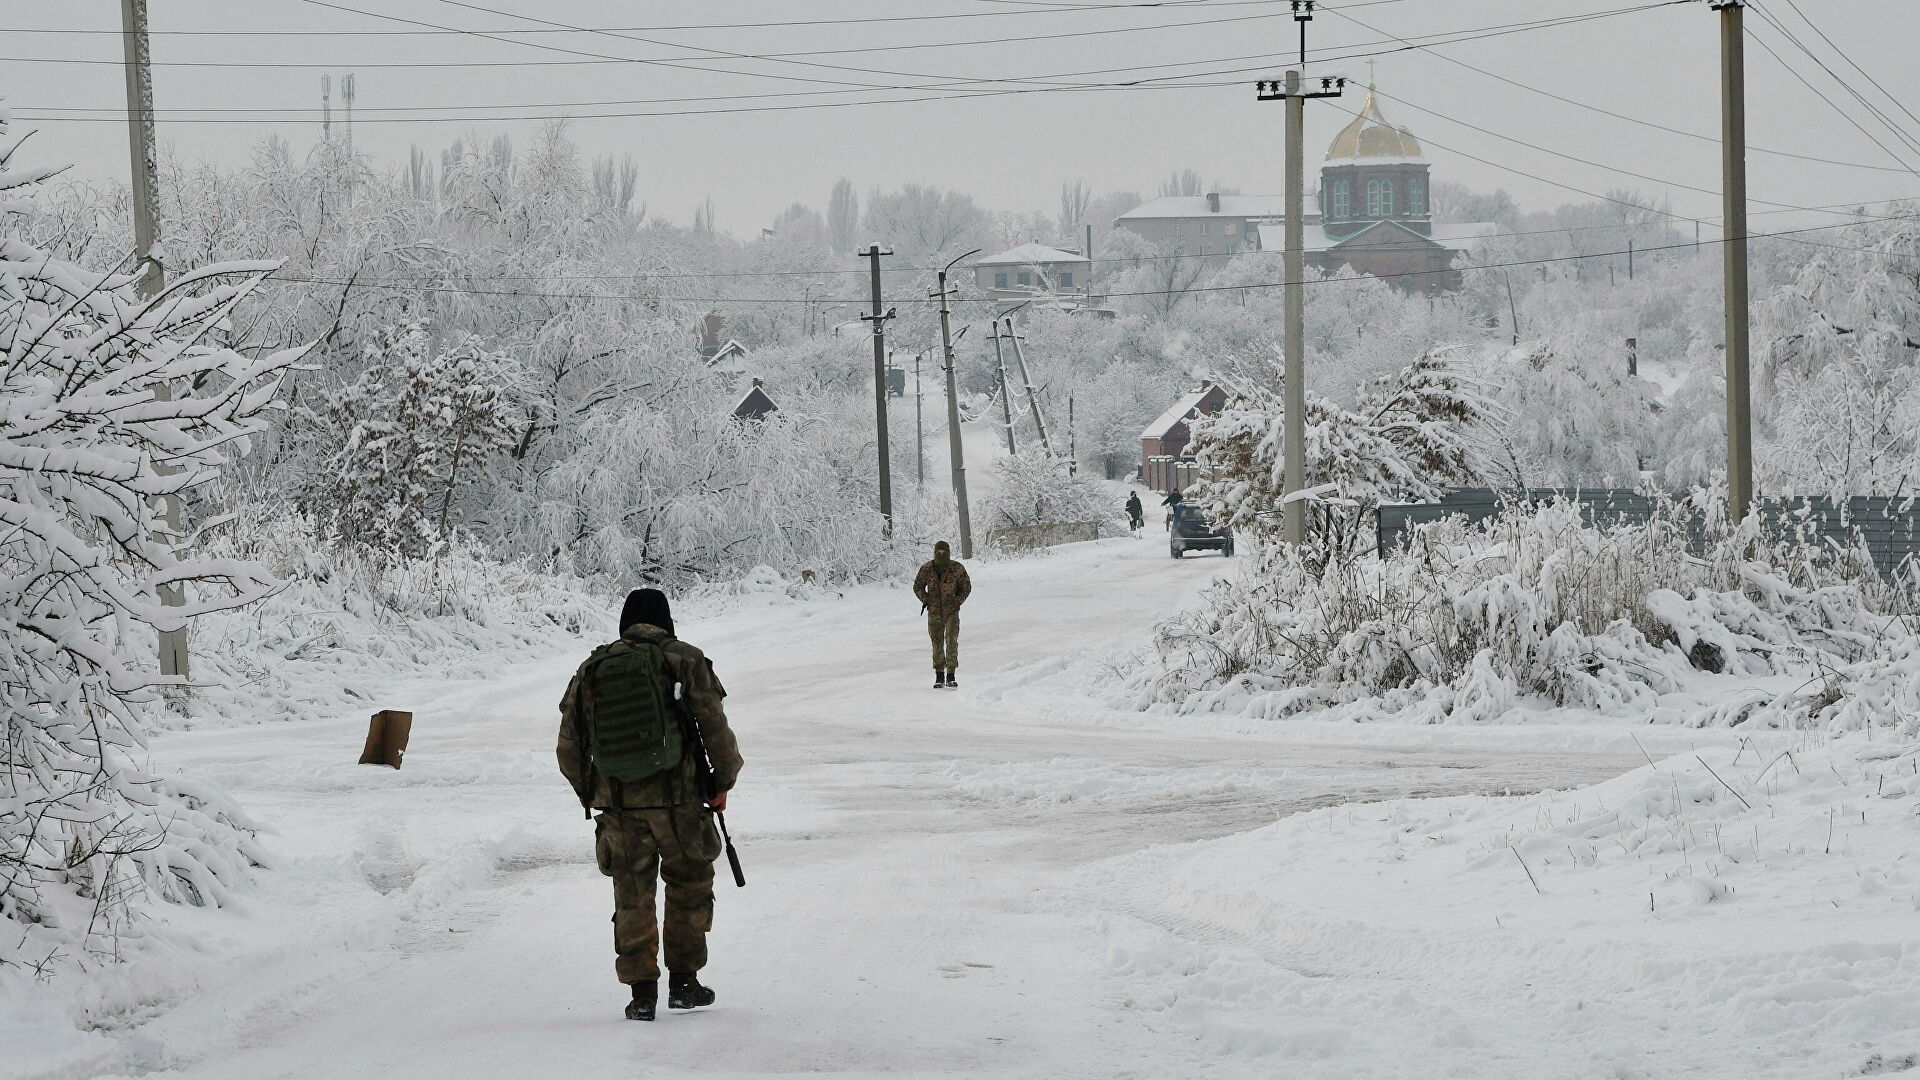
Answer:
(961, 88)
(664, 27)
(1781, 234)
(1872, 109)
(1589, 106)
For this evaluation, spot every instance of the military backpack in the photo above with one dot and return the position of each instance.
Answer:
(631, 720)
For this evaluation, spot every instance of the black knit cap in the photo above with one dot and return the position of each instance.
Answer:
(647, 606)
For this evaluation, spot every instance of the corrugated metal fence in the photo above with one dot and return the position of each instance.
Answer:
(1890, 527)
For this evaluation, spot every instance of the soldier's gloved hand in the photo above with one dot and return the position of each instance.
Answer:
(719, 802)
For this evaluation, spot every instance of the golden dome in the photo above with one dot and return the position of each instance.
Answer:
(1370, 136)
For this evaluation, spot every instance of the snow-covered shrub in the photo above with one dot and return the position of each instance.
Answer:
(1033, 489)
(1533, 606)
(1409, 437)
(89, 442)
(413, 427)
(349, 620)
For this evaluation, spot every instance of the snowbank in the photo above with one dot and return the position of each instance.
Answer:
(1742, 911)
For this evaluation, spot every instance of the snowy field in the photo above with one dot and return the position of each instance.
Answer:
(1016, 881)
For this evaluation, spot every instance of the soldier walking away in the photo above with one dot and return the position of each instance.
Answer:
(1136, 515)
(942, 586)
(632, 725)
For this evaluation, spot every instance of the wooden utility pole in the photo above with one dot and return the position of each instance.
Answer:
(953, 414)
(1294, 439)
(879, 320)
(919, 426)
(1089, 227)
(1033, 399)
(1733, 167)
(1006, 392)
(144, 180)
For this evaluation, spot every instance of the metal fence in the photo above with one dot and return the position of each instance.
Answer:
(1889, 526)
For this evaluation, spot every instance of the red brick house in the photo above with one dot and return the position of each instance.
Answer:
(1164, 461)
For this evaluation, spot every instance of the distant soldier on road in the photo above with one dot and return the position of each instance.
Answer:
(1136, 515)
(632, 752)
(942, 586)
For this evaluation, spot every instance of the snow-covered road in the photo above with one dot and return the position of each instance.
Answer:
(918, 859)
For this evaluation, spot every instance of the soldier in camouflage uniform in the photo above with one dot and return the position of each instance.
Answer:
(942, 586)
(658, 827)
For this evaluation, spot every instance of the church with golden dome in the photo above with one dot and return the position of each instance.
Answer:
(1375, 214)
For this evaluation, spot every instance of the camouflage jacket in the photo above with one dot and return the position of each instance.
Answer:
(678, 786)
(943, 591)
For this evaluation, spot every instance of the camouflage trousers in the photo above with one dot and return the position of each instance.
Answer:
(638, 847)
(945, 632)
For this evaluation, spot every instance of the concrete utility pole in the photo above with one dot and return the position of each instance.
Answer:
(1733, 167)
(1294, 442)
(1033, 399)
(1006, 392)
(144, 179)
(953, 414)
(879, 320)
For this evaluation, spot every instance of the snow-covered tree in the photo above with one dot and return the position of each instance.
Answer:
(415, 425)
(108, 404)
(1408, 438)
(1033, 489)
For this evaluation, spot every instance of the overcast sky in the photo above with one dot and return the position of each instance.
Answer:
(1010, 150)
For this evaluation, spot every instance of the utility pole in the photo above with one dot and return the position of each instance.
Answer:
(919, 426)
(145, 182)
(1073, 442)
(1006, 392)
(1089, 227)
(879, 320)
(953, 414)
(1033, 399)
(1294, 445)
(1733, 167)
(1629, 260)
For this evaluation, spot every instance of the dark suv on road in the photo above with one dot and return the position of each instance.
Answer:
(1191, 531)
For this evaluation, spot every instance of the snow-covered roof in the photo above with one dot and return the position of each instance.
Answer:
(1313, 238)
(1457, 237)
(1027, 254)
(731, 357)
(1464, 234)
(755, 403)
(1192, 206)
(1177, 412)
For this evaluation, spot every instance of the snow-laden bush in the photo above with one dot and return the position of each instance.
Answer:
(90, 441)
(1535, 606)
(350, 620)
(1410, 436)
(1034, 489)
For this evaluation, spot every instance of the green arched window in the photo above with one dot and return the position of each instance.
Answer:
(1380, 198)
(1417, 195)
(1342, 207)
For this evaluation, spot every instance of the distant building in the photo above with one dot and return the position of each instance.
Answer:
(1165, 464)
(1210, 224)
(730, 358)
(1374, 213)
(755, 404)
(1031, 270)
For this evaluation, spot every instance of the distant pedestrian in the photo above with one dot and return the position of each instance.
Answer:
(632, 752)
(1136, 515)
(942, 586)
(1172, 503)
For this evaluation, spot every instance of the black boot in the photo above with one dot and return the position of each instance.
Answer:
(646, 995)
(939, 678)
(952, 683)
(685, 992)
